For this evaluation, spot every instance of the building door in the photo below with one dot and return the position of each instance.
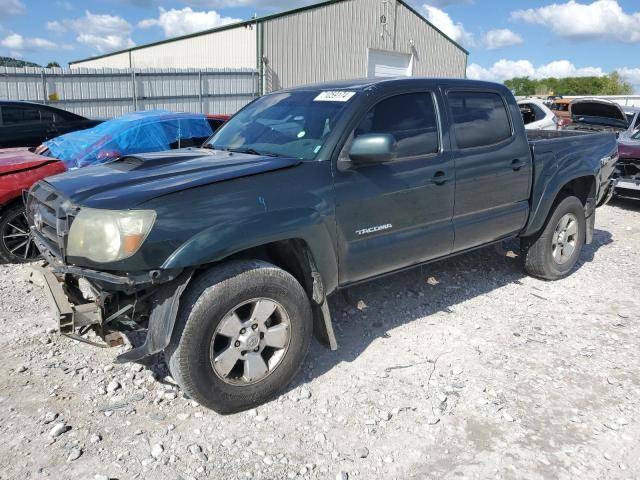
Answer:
(382, 63)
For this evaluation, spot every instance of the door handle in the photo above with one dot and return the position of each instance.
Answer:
(517, 164)
(440, 178)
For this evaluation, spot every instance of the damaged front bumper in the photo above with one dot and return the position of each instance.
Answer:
(138, 306)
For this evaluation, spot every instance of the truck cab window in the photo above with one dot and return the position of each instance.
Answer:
(411, 118)
(478, 118)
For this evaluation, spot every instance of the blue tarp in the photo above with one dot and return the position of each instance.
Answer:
(138, 132)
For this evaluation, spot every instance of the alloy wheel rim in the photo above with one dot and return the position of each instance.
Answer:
(17, 239)
(565, 238)
(250, 342)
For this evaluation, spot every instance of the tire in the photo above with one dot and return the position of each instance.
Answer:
(544, 255)
(204, 314)
(16, 245)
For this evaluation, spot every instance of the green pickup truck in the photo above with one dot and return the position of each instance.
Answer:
(225, 254)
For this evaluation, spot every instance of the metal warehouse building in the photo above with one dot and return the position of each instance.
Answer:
(333, 40)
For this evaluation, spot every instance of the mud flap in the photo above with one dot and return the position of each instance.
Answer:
(322, 326)
(163, 318)
(591, 226)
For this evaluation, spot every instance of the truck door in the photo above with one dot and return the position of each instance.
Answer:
(493, 168)
(395, 213)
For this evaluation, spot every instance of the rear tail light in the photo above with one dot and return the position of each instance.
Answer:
(563, 122)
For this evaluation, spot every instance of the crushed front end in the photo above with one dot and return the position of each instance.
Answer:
(109, 304)
(627, 177)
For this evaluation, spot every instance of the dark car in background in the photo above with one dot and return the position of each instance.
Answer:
(27, 124)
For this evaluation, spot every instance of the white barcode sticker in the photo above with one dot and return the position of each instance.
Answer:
(334, 96)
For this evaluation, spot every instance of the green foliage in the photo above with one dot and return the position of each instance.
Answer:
(611, 84)
(13, 62)
(52, 65)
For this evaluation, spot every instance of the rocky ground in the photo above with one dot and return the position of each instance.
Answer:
(462, 369)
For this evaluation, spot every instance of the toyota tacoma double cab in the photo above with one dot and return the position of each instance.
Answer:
(225, 254)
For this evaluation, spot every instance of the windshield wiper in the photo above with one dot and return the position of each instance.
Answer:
(252, 151)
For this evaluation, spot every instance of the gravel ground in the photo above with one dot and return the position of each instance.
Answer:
(462, 369)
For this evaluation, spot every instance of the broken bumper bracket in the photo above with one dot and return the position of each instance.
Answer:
(69, 316)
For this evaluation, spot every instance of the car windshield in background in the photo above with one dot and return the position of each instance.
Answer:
(291, 124)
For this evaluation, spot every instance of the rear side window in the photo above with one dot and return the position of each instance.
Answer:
(411, 118)
(479, 118)
(19, 115)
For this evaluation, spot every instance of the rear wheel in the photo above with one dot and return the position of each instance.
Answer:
(16, 243)
(555, 251)
(243, 331)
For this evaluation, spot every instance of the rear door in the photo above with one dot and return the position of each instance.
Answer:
(493, 168)
(398, 213)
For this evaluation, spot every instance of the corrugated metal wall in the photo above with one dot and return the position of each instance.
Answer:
(233, 48)
(332, 43)
(433, 55)
(107, 93)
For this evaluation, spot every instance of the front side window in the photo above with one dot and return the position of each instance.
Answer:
(478, 118)
(290, 124)
(411, 119)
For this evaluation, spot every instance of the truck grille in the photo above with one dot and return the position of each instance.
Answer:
(50, 217)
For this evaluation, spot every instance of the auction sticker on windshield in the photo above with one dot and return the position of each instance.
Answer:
(334, 96)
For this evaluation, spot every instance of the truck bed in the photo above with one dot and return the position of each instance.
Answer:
(535, 136)
(567, 154)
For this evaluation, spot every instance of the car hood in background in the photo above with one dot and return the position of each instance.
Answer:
(133, 180)
(629, 149)
(595, 111)
(14, 160)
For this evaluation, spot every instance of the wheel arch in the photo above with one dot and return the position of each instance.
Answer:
(583, 186)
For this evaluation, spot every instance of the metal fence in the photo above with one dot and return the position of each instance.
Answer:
(107, 93)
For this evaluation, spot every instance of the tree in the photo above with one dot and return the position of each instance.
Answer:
(611, 84)
(53, 65)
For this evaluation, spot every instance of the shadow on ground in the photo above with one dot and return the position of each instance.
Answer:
(404, 297)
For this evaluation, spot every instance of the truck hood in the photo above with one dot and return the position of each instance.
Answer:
(132, 180)
(593, 111)
(14, 160)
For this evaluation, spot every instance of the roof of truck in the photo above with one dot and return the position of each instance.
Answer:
(366, 83)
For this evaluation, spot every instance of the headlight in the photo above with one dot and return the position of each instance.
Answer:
(108, 235)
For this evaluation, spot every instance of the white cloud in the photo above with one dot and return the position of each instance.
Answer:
(103, 33)
(631, 75)
(11, 7)
(181, 22)
(453, 30)
(602, 19)
(500, 38)
(17, 42)
(507, 69)
(56, 27)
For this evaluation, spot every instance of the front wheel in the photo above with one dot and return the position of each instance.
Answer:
(555, 251)
(242, 332)
(16, 243)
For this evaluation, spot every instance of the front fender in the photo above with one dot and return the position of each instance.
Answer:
(218, 242)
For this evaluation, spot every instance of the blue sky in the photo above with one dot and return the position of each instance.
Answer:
(505, 38)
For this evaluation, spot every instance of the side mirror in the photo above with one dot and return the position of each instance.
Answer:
(373, 148)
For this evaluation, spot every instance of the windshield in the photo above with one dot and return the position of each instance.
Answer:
(636, 135)
(291, 124)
